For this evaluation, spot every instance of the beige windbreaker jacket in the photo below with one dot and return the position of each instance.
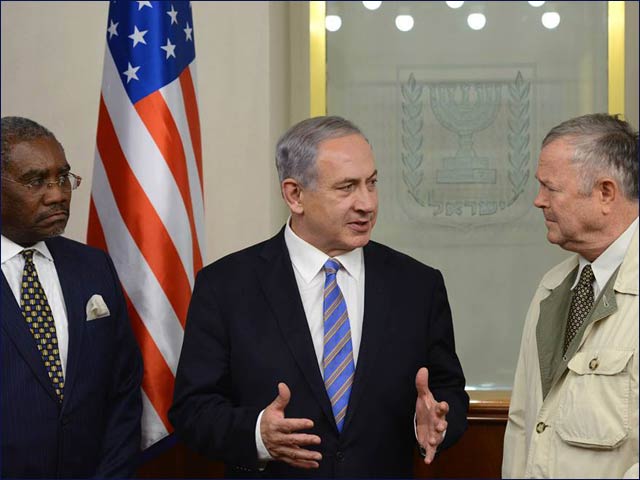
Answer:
(587, 426)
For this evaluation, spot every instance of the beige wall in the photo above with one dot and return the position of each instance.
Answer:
(52, 55)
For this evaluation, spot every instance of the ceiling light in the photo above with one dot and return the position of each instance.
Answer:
(332, 23)
(372, 5)
(404, 23)
(550, 20)
(476, 21)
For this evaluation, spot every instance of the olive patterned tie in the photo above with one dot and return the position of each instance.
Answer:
(581, 304)
(37, 313)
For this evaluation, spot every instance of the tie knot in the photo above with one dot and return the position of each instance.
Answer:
(331, 266)
(586, 277)
(28, 255)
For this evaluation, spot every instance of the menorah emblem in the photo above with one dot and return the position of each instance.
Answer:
(465, 108)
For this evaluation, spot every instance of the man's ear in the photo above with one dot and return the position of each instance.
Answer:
(292, 194)
(607, 190)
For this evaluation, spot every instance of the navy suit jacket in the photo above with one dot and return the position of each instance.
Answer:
(96, 429)
(246, 331)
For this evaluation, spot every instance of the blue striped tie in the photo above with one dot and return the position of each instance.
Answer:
(338, 352)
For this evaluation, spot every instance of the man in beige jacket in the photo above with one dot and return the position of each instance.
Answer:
(574, 406)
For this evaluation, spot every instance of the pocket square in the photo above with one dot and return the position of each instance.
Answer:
(96, 308)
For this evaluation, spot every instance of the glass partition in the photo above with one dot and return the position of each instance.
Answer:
(455, 102)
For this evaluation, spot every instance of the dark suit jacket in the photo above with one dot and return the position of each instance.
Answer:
(246, 331)
(96, 430)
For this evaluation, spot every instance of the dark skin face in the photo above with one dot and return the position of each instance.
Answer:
(27, 216)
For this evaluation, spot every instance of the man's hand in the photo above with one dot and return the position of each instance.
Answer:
(280, 436)
(430, 416)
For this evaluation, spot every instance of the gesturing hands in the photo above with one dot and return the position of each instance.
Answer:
(430, 416)
(280, 436)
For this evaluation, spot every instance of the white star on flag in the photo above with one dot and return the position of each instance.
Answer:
(113, 29)
(130, 72)
(173, 14)
(188, 31)
(144, 4)
(137, 36)
(170, 49)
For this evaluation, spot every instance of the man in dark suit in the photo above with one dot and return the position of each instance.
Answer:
(307, 354)
(71, 369)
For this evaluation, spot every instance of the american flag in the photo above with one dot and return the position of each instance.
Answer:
(146, 199)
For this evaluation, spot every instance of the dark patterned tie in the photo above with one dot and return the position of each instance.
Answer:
(37, 313)
(338, 351)
(581, 304)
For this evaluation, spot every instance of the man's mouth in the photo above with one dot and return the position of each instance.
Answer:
(56, 215)
(360, 226)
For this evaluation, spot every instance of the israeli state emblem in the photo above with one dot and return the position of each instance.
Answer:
(466, 150)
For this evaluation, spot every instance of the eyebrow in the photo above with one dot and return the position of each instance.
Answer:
(352, 180)
(34, 172)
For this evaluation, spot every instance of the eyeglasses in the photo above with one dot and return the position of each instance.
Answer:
(66, 183)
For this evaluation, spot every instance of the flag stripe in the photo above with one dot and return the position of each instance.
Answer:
(159, 392)
(157, 117)
(158, 380)
(140, 283)
(173, 95)
(95, 235)
(139, 215)
(147, 163)
(153, 429)
(191, 107)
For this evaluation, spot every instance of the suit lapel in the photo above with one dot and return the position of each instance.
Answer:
(374, 323)
(279, 285)
(16, 328)
(72, 291)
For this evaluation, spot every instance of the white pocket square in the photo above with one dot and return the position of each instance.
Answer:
(96, 308)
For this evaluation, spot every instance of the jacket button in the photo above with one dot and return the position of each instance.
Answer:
(540, 427)
(339, 456)
(65, 420)
(593, 364)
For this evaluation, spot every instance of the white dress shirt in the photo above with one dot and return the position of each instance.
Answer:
(606, 264)
(308, 264)
(12, 268)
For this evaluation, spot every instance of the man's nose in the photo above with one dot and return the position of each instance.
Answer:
(367, 200)
(55, 193)
(541, 200)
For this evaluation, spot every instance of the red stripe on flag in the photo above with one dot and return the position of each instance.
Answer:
(158, 379)
(95, 234)
(141, 219)
(158, 119)
(193, 116)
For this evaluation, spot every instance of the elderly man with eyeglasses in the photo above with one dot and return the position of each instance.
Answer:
(70, 367)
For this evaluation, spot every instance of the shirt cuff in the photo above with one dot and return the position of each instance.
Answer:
(263, 453)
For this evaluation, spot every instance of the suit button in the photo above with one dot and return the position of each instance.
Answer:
(540, 427)
(593, 364)
(339, 456)
(65, 420)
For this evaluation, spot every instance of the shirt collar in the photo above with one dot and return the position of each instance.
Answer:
(10, 249)
(606, 264)
(308, 260)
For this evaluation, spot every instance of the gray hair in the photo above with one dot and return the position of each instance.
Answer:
(16, 130)
(604, 144)
(297, 148)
